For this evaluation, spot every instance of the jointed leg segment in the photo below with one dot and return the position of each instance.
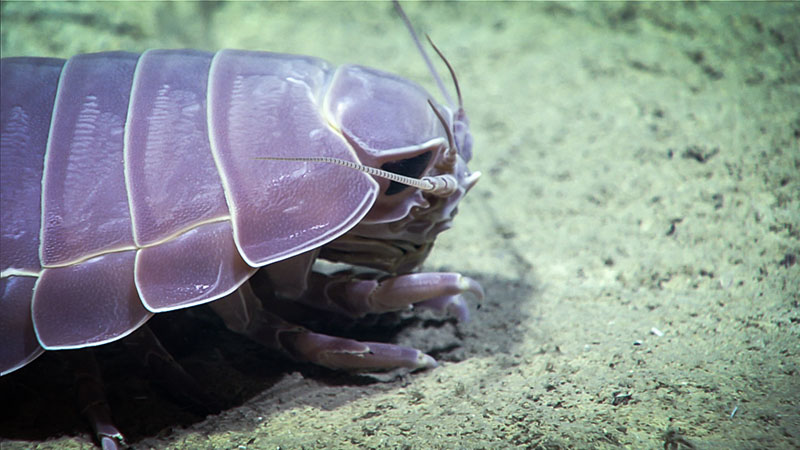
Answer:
(243, 312)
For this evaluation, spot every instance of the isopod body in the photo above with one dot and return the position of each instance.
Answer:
(136, 184)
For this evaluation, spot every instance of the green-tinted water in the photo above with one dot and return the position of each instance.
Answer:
(641, 176)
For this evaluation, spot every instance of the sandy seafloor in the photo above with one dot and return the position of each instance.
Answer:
(641, 171)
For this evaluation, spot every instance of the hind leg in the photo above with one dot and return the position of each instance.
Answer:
(146, 347)
(92, 400)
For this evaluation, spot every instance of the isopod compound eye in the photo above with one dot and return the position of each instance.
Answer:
(413, 167)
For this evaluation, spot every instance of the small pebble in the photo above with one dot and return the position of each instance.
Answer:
(656, 331)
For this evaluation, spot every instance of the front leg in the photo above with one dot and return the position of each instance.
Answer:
(343, 293)
(243, 312)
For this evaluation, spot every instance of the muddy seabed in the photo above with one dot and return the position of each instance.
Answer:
(637, 230)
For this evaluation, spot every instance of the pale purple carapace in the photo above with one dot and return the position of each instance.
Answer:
(135, 184)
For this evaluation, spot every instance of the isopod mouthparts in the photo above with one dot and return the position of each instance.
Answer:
(440, 185)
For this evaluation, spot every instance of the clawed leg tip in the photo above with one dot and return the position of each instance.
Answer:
(458, 308)
(467, 284)
(452, 306)
(426, 361)
(112, 442)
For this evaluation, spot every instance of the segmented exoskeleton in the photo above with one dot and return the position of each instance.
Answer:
(136, 184)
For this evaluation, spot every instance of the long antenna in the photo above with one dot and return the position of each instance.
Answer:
(450, 68)
(424, 54)
(440, 185)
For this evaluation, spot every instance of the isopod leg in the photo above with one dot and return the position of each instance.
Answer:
(339, 353)
(151, 354)
(92, 400)
(242, 312)
(452, 305)
(440, 291)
